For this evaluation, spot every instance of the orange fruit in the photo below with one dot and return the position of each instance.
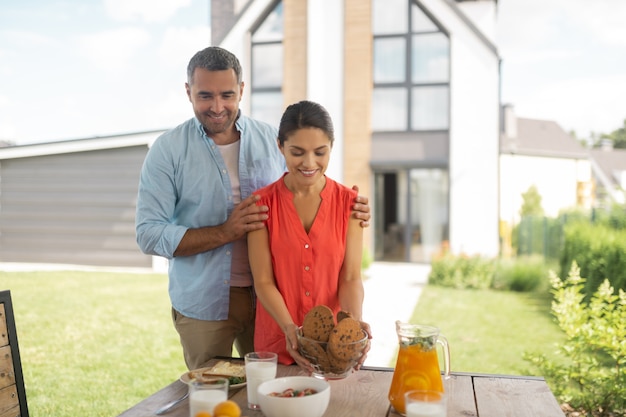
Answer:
(203, 414)
(227, 408)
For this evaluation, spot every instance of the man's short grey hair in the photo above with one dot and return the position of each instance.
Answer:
(214, 58)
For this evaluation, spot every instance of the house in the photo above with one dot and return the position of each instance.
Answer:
(609, 173)
(73, 202)
(413, 89)
(540, 153)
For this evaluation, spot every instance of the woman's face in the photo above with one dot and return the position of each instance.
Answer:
(307, 153)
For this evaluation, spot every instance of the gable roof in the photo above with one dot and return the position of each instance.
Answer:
(612, 164)
(541, 138)
(80, 145)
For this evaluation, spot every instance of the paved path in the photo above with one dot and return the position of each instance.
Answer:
(391, 293)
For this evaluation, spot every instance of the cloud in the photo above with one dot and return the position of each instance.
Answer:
(7, 127)
(586, 104)
(28, 39)
(180, 44)
(146, 10)
(112, 50)
(602, 19)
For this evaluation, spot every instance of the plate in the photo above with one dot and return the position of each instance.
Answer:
(184, 378)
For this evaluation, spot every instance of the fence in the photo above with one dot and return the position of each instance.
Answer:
(539, 235)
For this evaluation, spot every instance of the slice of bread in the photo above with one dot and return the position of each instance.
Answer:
(222, 368)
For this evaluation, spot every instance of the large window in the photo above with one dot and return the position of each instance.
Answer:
(267, 68)
(411, 69)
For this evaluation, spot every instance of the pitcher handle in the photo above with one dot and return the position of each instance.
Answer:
(446, 355)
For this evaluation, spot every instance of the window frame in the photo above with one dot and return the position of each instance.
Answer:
(408, 83)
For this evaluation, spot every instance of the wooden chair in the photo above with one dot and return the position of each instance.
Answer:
(12, 391)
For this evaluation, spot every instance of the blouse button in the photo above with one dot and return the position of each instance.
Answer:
(306, 246)
(306, 268)
(307, 294)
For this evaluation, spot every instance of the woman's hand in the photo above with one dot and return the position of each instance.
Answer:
(366, 328)
(291, 339)
(361, 208)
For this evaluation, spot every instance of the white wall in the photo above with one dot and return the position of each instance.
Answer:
(556, 181)
(483, 14)
(474, 110)
(325, 70)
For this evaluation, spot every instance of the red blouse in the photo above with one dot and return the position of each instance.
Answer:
(306, 266)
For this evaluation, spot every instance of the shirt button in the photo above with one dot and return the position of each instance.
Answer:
(225, 281)
(223, 171)
(306, 268)
(228, 252)
(307, 294)
(306, 246)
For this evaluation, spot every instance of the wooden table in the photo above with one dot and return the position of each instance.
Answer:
(364, 394)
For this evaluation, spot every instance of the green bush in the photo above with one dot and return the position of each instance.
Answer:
(522, 274)
(462, 272)
(594, 378)
(614, 218)
(601, 252)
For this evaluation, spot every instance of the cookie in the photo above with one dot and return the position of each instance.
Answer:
(341, 342)
(343, 315)
(316, 354)
(318, 323)
(339, 366)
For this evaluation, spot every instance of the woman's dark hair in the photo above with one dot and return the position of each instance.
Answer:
(214, 58)
(305, 114)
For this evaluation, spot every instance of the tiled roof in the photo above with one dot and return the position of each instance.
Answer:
(542, 138)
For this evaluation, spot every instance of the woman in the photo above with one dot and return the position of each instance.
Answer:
(310, 251)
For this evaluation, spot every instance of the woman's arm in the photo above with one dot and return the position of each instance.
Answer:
(351, 291)
(263, 276)
(268, 294)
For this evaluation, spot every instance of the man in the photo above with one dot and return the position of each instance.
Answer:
(195, 207)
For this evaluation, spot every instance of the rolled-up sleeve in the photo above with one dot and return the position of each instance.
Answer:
(156, 232)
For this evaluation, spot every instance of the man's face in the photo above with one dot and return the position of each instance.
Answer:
(215, 97)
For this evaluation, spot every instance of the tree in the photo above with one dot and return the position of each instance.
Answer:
(618, 137)
(531, 203)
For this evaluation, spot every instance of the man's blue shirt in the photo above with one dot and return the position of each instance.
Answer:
(184, 184)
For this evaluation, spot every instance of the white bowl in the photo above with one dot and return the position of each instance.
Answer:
(308, 406)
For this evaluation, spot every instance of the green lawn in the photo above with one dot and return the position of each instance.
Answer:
(92, 344)
(489, 331)
(96, 343)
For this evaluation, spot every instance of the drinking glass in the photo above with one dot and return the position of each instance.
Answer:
(206, 393)
(260, 367)
(425, 403)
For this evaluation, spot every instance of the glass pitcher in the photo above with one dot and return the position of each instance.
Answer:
(417, 366)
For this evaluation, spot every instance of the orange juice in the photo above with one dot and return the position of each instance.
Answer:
(417, 367)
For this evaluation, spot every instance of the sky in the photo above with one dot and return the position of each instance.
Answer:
(72, 69)
(565, 60)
